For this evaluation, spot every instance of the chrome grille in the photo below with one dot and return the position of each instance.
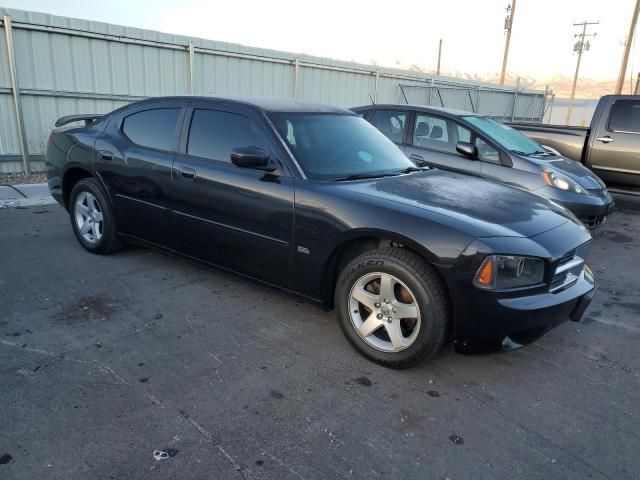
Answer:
(568, 270)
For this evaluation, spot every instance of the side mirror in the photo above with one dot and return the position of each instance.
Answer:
(467, 149)
(251, 157)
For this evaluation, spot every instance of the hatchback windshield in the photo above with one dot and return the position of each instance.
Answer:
(505, 136)
(331, 146)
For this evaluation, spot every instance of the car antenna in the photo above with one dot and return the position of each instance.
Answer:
(372, 101)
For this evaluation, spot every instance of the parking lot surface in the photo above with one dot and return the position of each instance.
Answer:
(104, 360)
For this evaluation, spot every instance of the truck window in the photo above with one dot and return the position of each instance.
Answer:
(213, 134)
(625, 116)
(152, 128)
(391, 123)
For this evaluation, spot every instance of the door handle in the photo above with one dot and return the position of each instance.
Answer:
(186, 173)
(106, 156)
(606, 139)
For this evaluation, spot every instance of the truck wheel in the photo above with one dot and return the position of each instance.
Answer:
(92, 217)
(392, 307)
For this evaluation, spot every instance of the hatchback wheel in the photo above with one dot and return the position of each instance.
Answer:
(392, 307)
(92, 217)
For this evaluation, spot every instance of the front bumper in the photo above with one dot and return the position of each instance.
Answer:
(511, 322)
(592, 210)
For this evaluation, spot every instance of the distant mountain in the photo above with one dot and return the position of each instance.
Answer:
(559, 84)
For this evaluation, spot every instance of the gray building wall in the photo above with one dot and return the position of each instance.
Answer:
(66, 66)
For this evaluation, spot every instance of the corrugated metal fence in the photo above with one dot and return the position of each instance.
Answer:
(52, 66)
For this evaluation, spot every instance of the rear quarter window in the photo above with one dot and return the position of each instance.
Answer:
(152, 128)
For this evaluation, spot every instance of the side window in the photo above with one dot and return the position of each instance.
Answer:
(152, 128)
(625, 116)
(433, 132)
(486, 152)
(213, 134)
(391, 123)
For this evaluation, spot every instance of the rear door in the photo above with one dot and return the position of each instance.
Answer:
(616, 142)
(433, 142)
(133, 158)
(237, 218)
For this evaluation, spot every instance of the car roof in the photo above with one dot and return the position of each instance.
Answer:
(451, 112)
(267, 104)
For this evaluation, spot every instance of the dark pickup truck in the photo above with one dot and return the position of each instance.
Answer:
(610, 146)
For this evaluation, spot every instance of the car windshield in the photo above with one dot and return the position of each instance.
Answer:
(505, 136)
(334, 146)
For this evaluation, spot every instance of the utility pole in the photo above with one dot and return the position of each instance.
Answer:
(508, 23)
(627, 48)
(440, 55)
(580, 47)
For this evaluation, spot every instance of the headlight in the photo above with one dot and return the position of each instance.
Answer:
(560, 181)
(509, 271)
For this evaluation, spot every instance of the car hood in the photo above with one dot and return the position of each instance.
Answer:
(480, 207)
(572, 169)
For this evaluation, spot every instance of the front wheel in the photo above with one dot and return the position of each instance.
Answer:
(392, 307)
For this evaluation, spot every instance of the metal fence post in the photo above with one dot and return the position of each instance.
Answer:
(375, 88)
(24, 152)
(191, 68)
(431, 92)
(296, 78)
(515, 99)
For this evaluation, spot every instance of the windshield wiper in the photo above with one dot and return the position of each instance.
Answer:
(537, 152)
(360, 176)
(415, 169)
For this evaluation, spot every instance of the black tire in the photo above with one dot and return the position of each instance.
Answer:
(109, 242)
(428, 291)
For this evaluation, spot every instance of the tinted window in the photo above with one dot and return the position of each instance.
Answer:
(625, 116)
(213, 134)
(329, 146)
(391, 123)
(152, 128)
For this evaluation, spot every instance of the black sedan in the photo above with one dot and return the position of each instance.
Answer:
(314, 200)
(477, 145)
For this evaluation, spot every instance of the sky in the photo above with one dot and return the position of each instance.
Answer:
(401, 33)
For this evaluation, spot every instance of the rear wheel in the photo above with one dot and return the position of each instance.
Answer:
(392, 307)
(92, 217)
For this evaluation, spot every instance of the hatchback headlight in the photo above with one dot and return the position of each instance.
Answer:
(560, 181)
(509, 271)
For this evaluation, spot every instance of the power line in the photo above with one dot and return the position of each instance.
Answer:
(579, 47)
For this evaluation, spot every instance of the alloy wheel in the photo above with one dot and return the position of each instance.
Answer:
(384, 312)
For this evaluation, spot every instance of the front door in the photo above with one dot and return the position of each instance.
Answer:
(236, 218)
